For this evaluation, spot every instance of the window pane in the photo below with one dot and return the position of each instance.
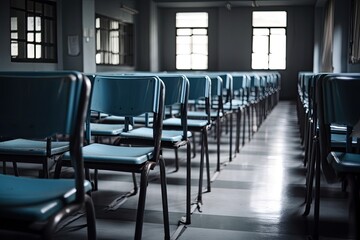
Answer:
(183, 49)
(38, 37)
(38, 51)
(277, 44)
(193, 19)
(201, 31)
(259, 61)
(276, 61)
(269, 19)
(14, 49)
(261, 44)
(98, 58)
(30, 51)
(14, 24)
(184, 31)
(183, 40)
(183, 62)
(199, 61)
(37, 23)
(30, 25)
(30, 37)
(260, 31)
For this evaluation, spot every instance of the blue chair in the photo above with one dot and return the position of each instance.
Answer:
(43, 106)
(38, 151)
(326, 138)
(177, 91)
(129, 97)
(199, 91)
(216, 111)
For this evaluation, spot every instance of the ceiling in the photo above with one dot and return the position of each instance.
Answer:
(241, 3)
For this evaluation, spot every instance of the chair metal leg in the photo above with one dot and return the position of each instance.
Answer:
(244, 125)
(164, 198)
(231, 137)
(199, 197)
(90, 218)
(238, 121)
(194, 144)
(317, 196)
(188, 183)
(136, 189)
(205, 139)
(310, 179)
(354, 208)
(176, 160)
(141, 202)
(218, 127)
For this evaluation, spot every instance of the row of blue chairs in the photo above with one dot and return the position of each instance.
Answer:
(328, 111)
(64, 117)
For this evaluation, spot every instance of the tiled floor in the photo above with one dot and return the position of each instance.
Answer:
(259, 195)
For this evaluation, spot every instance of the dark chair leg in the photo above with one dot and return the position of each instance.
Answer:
(231, 137)
(188, 183)
(164, 199)
(317, 196)
(194, 144)
(199, 197)
(238, 124)
(90, 218)
(141, 202)
(310, 180)
(58, 168)
(218, 127)
(176, 160)
(16, 169)
(205, 139)
(136, 189)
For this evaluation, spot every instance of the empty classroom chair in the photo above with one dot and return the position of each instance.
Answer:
(42, 107)
(129, 97)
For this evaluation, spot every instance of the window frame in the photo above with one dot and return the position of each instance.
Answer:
(125, 39)
(48, 48)
(192, 28)
(269, 28)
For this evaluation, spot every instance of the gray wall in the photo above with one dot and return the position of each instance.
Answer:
(230, 41)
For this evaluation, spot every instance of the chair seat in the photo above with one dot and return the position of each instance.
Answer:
(345, 162)
(118, 119)
(339, 140)
(190, 122)
(104, 129)
(97, 153)
(31, 147)
(235, 104)
(147, 133)
(36, 199)
(199, 114)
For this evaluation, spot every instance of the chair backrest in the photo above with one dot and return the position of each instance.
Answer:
(240, 81)
(42, 104)
(177, 92)
(131, 96)
(200, 89)
(324, 110)
(341, 97)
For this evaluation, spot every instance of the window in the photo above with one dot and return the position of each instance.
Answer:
(269, 40)
(33, 31)
(192, 41)
(114, 42)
